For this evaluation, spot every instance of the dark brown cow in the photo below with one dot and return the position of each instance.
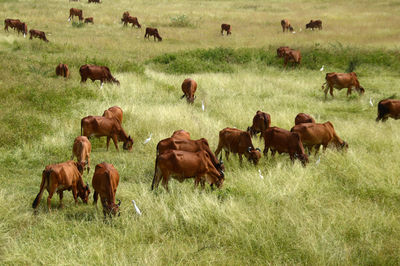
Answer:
(261, 121)
(124, 15)
(114, 112)
(94, 1)
(89, 20)
(22, 28)
(314, 24)
(227, 28)
(62, 70)
(99, 126)
(37, 34)
(189, 87)
(152, 32)
(303, 118)
(237, 141)
(282, 141)
(340, 81)
(180, 134)
(75, 12)
(133, 20)
(105, 182)
(293, 56)
(12, 23)
(182, 165)
(286, 25)
(94, 72)
(81, 150)
(281, 51)
(388, 108)
(315, 135)
(60, 177)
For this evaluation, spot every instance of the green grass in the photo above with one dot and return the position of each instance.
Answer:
(343, 210)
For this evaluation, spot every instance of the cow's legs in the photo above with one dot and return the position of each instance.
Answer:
(227, 155)
(75, 194)
(95, 198)
(317, 148)
(104, 204)
(165, 181)
(101, 84)
(265, 152)
(108, 142)
(273, 152)
(240, 158)
(115, 140)
(51, 192)
(61, 194)
(219, 148)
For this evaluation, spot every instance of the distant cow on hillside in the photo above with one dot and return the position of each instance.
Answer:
(152, 32)
(75, 12)
(62, 70)
(314, 24)
(340, 81)
(286, 25)
(388, 108)
(37, 34)
(94, 72)
(293, 56)
(89, 20)
(189, 87)
(12, 23)
(227, 28)
(133, 20)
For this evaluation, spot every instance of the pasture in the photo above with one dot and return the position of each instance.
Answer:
(343, 208)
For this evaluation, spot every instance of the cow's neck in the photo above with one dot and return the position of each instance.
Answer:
(122, 135)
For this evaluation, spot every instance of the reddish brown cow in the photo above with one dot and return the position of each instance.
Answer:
(189, 87)
(81, 150)
(22, 28)
(282, 141)
(281, 51)
(94, 72)
(286, 25)
(105, 182)
(12, 23)
(388, 108)
(261, 121)
(89, 20)
(152, 32)
(227, 28)
(314, 24)
(180, 134)
(340, 81)
(293, 56)
(315, 135)
(60, 177)
(62, 70)
(237, 141)
(94, 1)
(303, 118)
(114, 112)
(75, 12)
(182, 165)
(124, 15)
(37, 34)
(99, 126)
(133, 20)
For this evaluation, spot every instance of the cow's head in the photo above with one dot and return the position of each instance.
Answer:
(191, 98)
(303, 158)
(343, 146)
(361, 90)
(128, 143)
(114, 208)
(220, 180)
(251, 131)
(291, 28)
(84, 192)
(254, 155)
(115, 81)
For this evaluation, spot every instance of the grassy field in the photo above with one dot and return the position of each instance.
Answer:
(343, 208)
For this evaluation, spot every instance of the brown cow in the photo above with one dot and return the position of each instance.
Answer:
(23, 28)
(124, 15)
(180, 134)
(81, 149)
(105, 182)
(315, 135)
(292, 56)
(99, 126)
(303, 118)
(282, 141)
(38, 34)
(94, 1)
(114, 112)
(314, 24)
(94, 72)
(189, 87)
(261, 121)
(133, 20)
(60, 177)
(89, 20)
(62, 70)
(12, 23)
(75, 12)
(152, 32)
(286, 25)
(227, 28)
(388, 108)
(237, 141)
(182, 165)
(340, 81)
(281, 51)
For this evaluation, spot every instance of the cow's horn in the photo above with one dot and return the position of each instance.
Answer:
(249, 149)
(119, 202)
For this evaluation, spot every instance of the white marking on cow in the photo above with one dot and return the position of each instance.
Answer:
(101, 85)
(69, 19)
(322, 68)
(370, 102)
(300, 29)
(317, 162)
(259, 172)
(24, 35)
(293, 32)
(202, 105)
(136, 208)
(148, 139)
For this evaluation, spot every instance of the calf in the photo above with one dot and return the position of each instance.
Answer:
(62, 70)
(22, 28)
(286, 25)
(314, 24)
(75, 12)
(12, 23)
(340, 81)
(81, 150)
(114, 112)
(152, 32)
(189, 87)
(237, 141)
(388, 108)
(261, 121)
(94, 72)
(293, 56)
(105, 182)
(227, 28)
(282, 141)
(60, 177)
(99, 126)
(281, 51)
(89, 20)
(133, 20)
(180, 134)
(303, 118)
(38, 34)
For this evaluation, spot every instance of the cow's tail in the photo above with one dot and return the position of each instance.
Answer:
(155, 174)
(81, 127)
(266, 122)
(382, 111)
(45, 181)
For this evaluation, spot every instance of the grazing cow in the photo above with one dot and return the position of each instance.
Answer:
(114, 112)
(227, 28)
(133, 20)
(152, 32)
(62, 70)
(94, 1)
(315, 135)
(75, 12)
(261, 121)
(282, 141)
(105, 182)
(89, 20)
(182, 165)
(314, 24)
(237, 141)
(180, 134)
(81, 150)
(286, 25)
(281, 51)
(94, 72)
(189, 87)
(12, 23)
(60, 177)
(37, 34)
(23, 28)
(292, 56)
(303, 118)
(99, 126)
(388, 108)
(340, 81)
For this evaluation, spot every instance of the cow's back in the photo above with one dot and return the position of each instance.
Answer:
(180, 134)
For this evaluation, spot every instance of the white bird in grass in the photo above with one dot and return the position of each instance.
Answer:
(259, 172)
(293, 32)
(300, 29)
(322, 68)
(148, 139)
(370, 102)
(317, 162)
(202, 105)
(136, 208)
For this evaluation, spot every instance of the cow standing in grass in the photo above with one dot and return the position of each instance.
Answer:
(152, 32)
(94, 72)
(388, 108)
(227, 28)
(189, 87)
(81, 150)
(75, 12)
(37, 34)
(62, 70)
